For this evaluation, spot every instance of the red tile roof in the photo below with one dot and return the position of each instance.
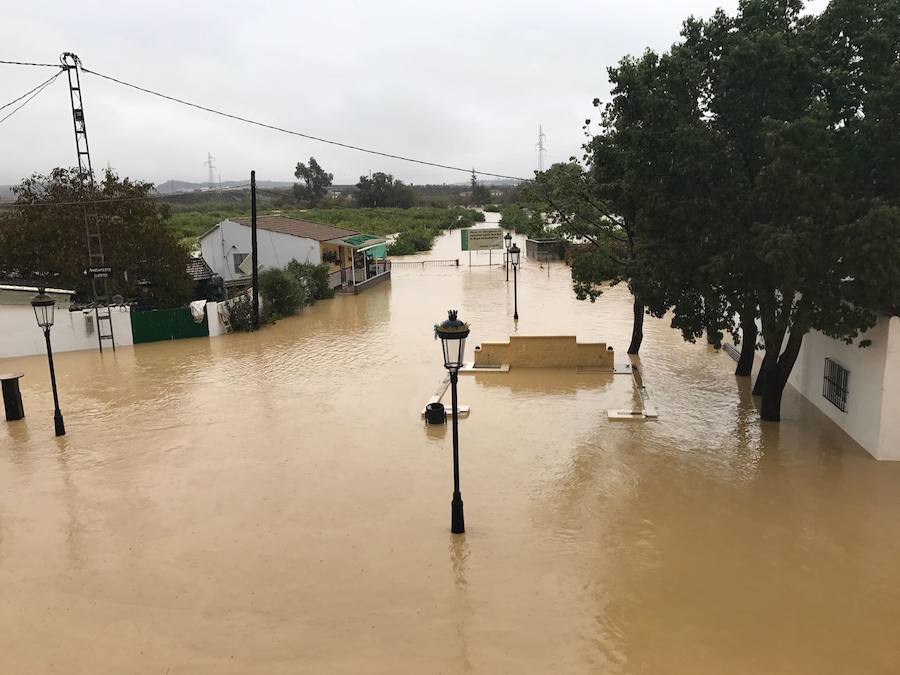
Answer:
(296, 227)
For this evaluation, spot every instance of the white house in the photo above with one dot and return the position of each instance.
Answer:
(858, 388)
(356, 260)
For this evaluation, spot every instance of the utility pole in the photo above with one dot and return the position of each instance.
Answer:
(541, 147)
(253, 252)
(211, 165)
(97, 269)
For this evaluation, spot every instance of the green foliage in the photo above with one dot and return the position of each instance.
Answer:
(187, 226)
(492, 208)
(282, 291)
(240, 313)
(383, 189)
(313, 278)
(524, 221)
(50, 239)
(422, 222)
(316, 182)
(412, 241)
(479, 194)
(750, 170)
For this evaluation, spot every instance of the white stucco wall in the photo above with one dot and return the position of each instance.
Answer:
(274, 249)
(873, 393)
(20, 335)
(216, 327)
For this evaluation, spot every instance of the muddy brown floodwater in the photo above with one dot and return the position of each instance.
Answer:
(272, 503)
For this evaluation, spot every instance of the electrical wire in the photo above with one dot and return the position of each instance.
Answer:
(159, 196)
(34, 92)
(28, 63)
(47, 81)
(301, 134)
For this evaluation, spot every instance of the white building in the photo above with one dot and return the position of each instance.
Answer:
(857, 388)
(356, 260)
(20, 335)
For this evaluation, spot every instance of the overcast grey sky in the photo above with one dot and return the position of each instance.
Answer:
(462, 83)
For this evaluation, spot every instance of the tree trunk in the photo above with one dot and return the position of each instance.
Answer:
(748, 347)
(637, 329)
(773, 386)
(769, 362)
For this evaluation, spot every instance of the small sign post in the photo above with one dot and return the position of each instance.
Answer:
(99, 272)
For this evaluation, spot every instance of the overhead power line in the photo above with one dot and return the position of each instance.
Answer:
(28, 63)
(159, 196)
(283, 130)
(47, 81)
(31, 94)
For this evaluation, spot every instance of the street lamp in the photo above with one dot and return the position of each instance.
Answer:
(44, 306)
(508, 240)
(514, 254)
(453, 333)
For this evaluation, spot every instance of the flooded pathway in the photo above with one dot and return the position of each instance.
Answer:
(272, 503)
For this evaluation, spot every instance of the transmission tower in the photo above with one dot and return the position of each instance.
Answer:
(97, 268)
(541, 147)
(212, 167)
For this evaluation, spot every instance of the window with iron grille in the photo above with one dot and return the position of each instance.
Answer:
(834, 387)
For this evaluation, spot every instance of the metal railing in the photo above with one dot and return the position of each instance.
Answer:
(429, 263)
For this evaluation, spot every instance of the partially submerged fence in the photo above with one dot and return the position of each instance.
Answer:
(166, 324)
(426, 263)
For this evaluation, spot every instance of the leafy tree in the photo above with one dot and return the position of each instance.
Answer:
(44, 234)
(383, 189)
(316, 182)
(282, 291)
(602, 203)
(480, 194)
(793, 230)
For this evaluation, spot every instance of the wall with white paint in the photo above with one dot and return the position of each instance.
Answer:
(20, 335)
(275, 249)
(873, 399)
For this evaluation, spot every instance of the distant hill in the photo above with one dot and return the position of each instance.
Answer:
(176, 186)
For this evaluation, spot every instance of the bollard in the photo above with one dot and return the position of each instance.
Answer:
(12, 396)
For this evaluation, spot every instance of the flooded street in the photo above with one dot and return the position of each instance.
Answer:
(273, 503)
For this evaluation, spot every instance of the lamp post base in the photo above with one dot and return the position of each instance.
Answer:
(58, 423)
(457, 521)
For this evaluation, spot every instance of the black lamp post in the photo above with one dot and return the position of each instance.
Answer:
(44, 306)
(453, 333)
(508, 240)
(514, 254)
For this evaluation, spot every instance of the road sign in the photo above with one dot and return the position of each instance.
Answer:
(100, 272)
(481, 238)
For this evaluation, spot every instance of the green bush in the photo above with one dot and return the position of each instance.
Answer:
(241, 314)
(413, 241)
(313, 279)
(282, 291)
(492, 208)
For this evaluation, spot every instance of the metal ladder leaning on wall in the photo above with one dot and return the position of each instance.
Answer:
(101, 319)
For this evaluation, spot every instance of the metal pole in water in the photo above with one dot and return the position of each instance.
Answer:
(253, 250)
(457, 519)
(57, 415)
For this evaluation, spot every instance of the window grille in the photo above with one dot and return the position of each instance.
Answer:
(835, 384)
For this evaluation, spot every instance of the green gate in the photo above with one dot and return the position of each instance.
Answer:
(166, 324)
